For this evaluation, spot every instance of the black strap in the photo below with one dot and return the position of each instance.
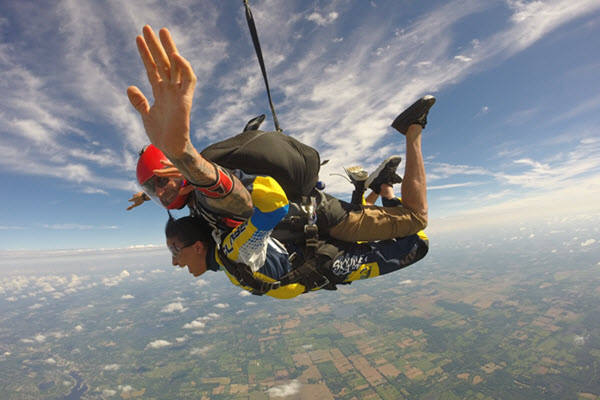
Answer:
(245, 276)
(254, 35)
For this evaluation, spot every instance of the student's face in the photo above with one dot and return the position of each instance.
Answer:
(191, 255)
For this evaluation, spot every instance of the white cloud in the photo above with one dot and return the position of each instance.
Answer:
(109, 392)
(50, 361)
(221, 305)
(454, 185)
(158, 344)
(588, 242)
(75, 281)
(245, 293)
(202, 351)
(78, 328)
(15, 284)
(581, 195)
(40, 338)
(173, 307)
(111, 367)
(580, 340)
(200, 322)
(195, 325)
(286, 390)
(127, 297)
(463, 58)
(125, 388)
(115, 280)
(77, 227)
(321, 19)
(200, 282)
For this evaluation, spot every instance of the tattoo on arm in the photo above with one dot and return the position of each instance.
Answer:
(201, 172)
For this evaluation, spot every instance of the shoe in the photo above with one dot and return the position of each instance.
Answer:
(254, 123)
(357, 176)
(415, 114)
(384, 174)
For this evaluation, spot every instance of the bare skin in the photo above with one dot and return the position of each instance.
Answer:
(371, 198)
(193, 257)
(414, 184)
(137, 199)
(167, 121)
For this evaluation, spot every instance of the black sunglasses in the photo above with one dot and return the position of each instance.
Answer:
(161, 181)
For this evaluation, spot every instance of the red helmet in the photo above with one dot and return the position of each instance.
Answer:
(163, 190)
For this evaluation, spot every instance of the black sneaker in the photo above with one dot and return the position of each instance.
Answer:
(415, 114)
(254, 123)
(385, 173)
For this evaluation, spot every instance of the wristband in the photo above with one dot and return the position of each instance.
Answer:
(221, 187)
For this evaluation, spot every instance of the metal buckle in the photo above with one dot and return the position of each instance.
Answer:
(327, 282)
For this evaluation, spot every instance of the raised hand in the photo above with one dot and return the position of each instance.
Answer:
(167, 121)
(169, 172)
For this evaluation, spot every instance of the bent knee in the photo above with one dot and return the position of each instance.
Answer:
(419, 220)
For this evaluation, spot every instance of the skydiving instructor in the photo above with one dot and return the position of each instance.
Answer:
(167, 122)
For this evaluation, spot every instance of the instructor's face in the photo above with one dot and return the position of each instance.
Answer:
(167, 190)
(191, 255)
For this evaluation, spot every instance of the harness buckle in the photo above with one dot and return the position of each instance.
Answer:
(309, 206)
(327, 282)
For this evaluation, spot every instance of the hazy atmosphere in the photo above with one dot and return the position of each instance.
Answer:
(504, 306)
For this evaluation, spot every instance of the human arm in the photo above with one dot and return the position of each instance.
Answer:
(248, 242)
(138, 199)
(167, 121)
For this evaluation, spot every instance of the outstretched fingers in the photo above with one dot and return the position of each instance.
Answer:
(188, 78)
(146, 56)
(169, 45)
(158, 54)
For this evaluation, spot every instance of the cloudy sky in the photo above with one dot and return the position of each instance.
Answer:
(512, 138)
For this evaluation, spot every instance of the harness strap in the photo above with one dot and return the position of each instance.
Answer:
(314, 273)
(258, 50)
(245, 276)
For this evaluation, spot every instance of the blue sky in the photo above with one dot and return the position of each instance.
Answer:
(512, 140)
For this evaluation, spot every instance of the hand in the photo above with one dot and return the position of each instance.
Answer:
(167, 121)
(137, 199)
(170, 172)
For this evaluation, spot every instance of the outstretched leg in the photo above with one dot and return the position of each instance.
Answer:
(369, 223)
(414, 185)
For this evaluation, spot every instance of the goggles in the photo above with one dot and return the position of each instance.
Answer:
(163, 190)
(175, 250)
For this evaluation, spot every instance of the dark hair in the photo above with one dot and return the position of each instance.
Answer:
(188, 229)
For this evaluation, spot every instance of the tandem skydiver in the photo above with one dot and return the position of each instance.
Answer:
(167, 124)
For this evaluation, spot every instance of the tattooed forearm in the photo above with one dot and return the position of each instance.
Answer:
(238, 202)
(195, 168)
(199, 171)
